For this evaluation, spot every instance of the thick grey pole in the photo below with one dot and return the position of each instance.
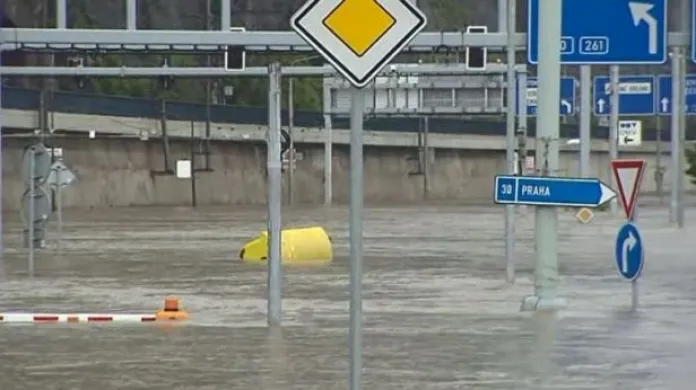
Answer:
(503, 11)
(274, 195)
(675, 128)
(132, 14)
(685, 27)
(356, 236)
(225, 15)
(62, 13)
(509, 19)
(585, 120)
(613, 126)
(291, 149)
(2, 235)
(522, 120)
(328, 148)
(546, 222)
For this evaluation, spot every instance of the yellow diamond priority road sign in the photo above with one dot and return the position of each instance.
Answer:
(358, 37)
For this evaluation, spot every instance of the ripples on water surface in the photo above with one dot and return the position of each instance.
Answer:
(438, 314)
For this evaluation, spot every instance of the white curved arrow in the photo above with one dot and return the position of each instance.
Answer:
(641, 13)
(627, 246)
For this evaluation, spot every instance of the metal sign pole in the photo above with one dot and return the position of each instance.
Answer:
(328, 147)
(59, 208)
(546, 223)
(510, 140)
(585, 119)
(679, 141)
(274, 163)
(32, 207)
(677, 104)
(2, 247)
(634, 283)
(614, 125)
(522, 121)
(356, 236)
(291, 150)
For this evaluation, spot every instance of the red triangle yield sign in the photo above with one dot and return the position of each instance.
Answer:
(628, 176)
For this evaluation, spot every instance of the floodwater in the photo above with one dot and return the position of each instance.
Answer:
(438, 313)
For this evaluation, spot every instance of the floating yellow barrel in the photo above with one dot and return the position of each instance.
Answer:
(300, 246)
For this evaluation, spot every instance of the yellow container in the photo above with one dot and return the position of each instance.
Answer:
(301, 246)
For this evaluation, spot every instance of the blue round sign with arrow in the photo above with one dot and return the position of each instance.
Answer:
(629, 252)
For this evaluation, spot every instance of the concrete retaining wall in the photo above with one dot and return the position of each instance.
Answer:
(123, 172)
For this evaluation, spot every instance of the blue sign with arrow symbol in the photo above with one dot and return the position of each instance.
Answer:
(664, 94)
(636, 95)
(629, 252)
(606, 32)
(567, 103)
(551, 191)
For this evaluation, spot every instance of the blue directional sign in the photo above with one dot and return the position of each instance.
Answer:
(629, 251)
(664, 94)
(567, 103)
(636, 95)
(551, 191)
(606, 32)
(693, 29)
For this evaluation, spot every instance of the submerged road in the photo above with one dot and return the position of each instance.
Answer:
(438, 312)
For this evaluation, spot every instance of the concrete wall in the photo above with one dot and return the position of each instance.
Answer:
(123, 172)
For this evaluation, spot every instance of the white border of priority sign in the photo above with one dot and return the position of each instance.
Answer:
(309, 22)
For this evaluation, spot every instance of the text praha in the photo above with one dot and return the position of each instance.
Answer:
(536, 190)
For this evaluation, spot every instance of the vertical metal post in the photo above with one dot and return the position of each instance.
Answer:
(62, 14)
(503, 12)
(225, 15)
(2, 247)
(59, 207)
(658, 162)
(426, 157)
(132, 14)
(614, 127)
(356, 236)
(274, 194)
(677, 105)
(32, 208)
(585, 120)
(194, 195)
(681, 135)
(328, 147)
(291, 132)
(508, 25)
(546, 222)
(685, 27)
(522, 120)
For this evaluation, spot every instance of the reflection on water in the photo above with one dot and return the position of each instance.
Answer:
(438, 314)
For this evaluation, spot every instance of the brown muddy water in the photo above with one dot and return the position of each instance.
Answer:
(438, 313)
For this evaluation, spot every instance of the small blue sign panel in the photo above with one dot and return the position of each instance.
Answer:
(636, 95)
(551, 191)
(629, 252)
(567, 103)
(664, 94)
(606, 32)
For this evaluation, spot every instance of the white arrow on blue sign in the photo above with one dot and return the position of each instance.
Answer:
(551, 191)
(606, 32)
(636, 95)
(567, 103)
(629, 252)
(664, 94)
